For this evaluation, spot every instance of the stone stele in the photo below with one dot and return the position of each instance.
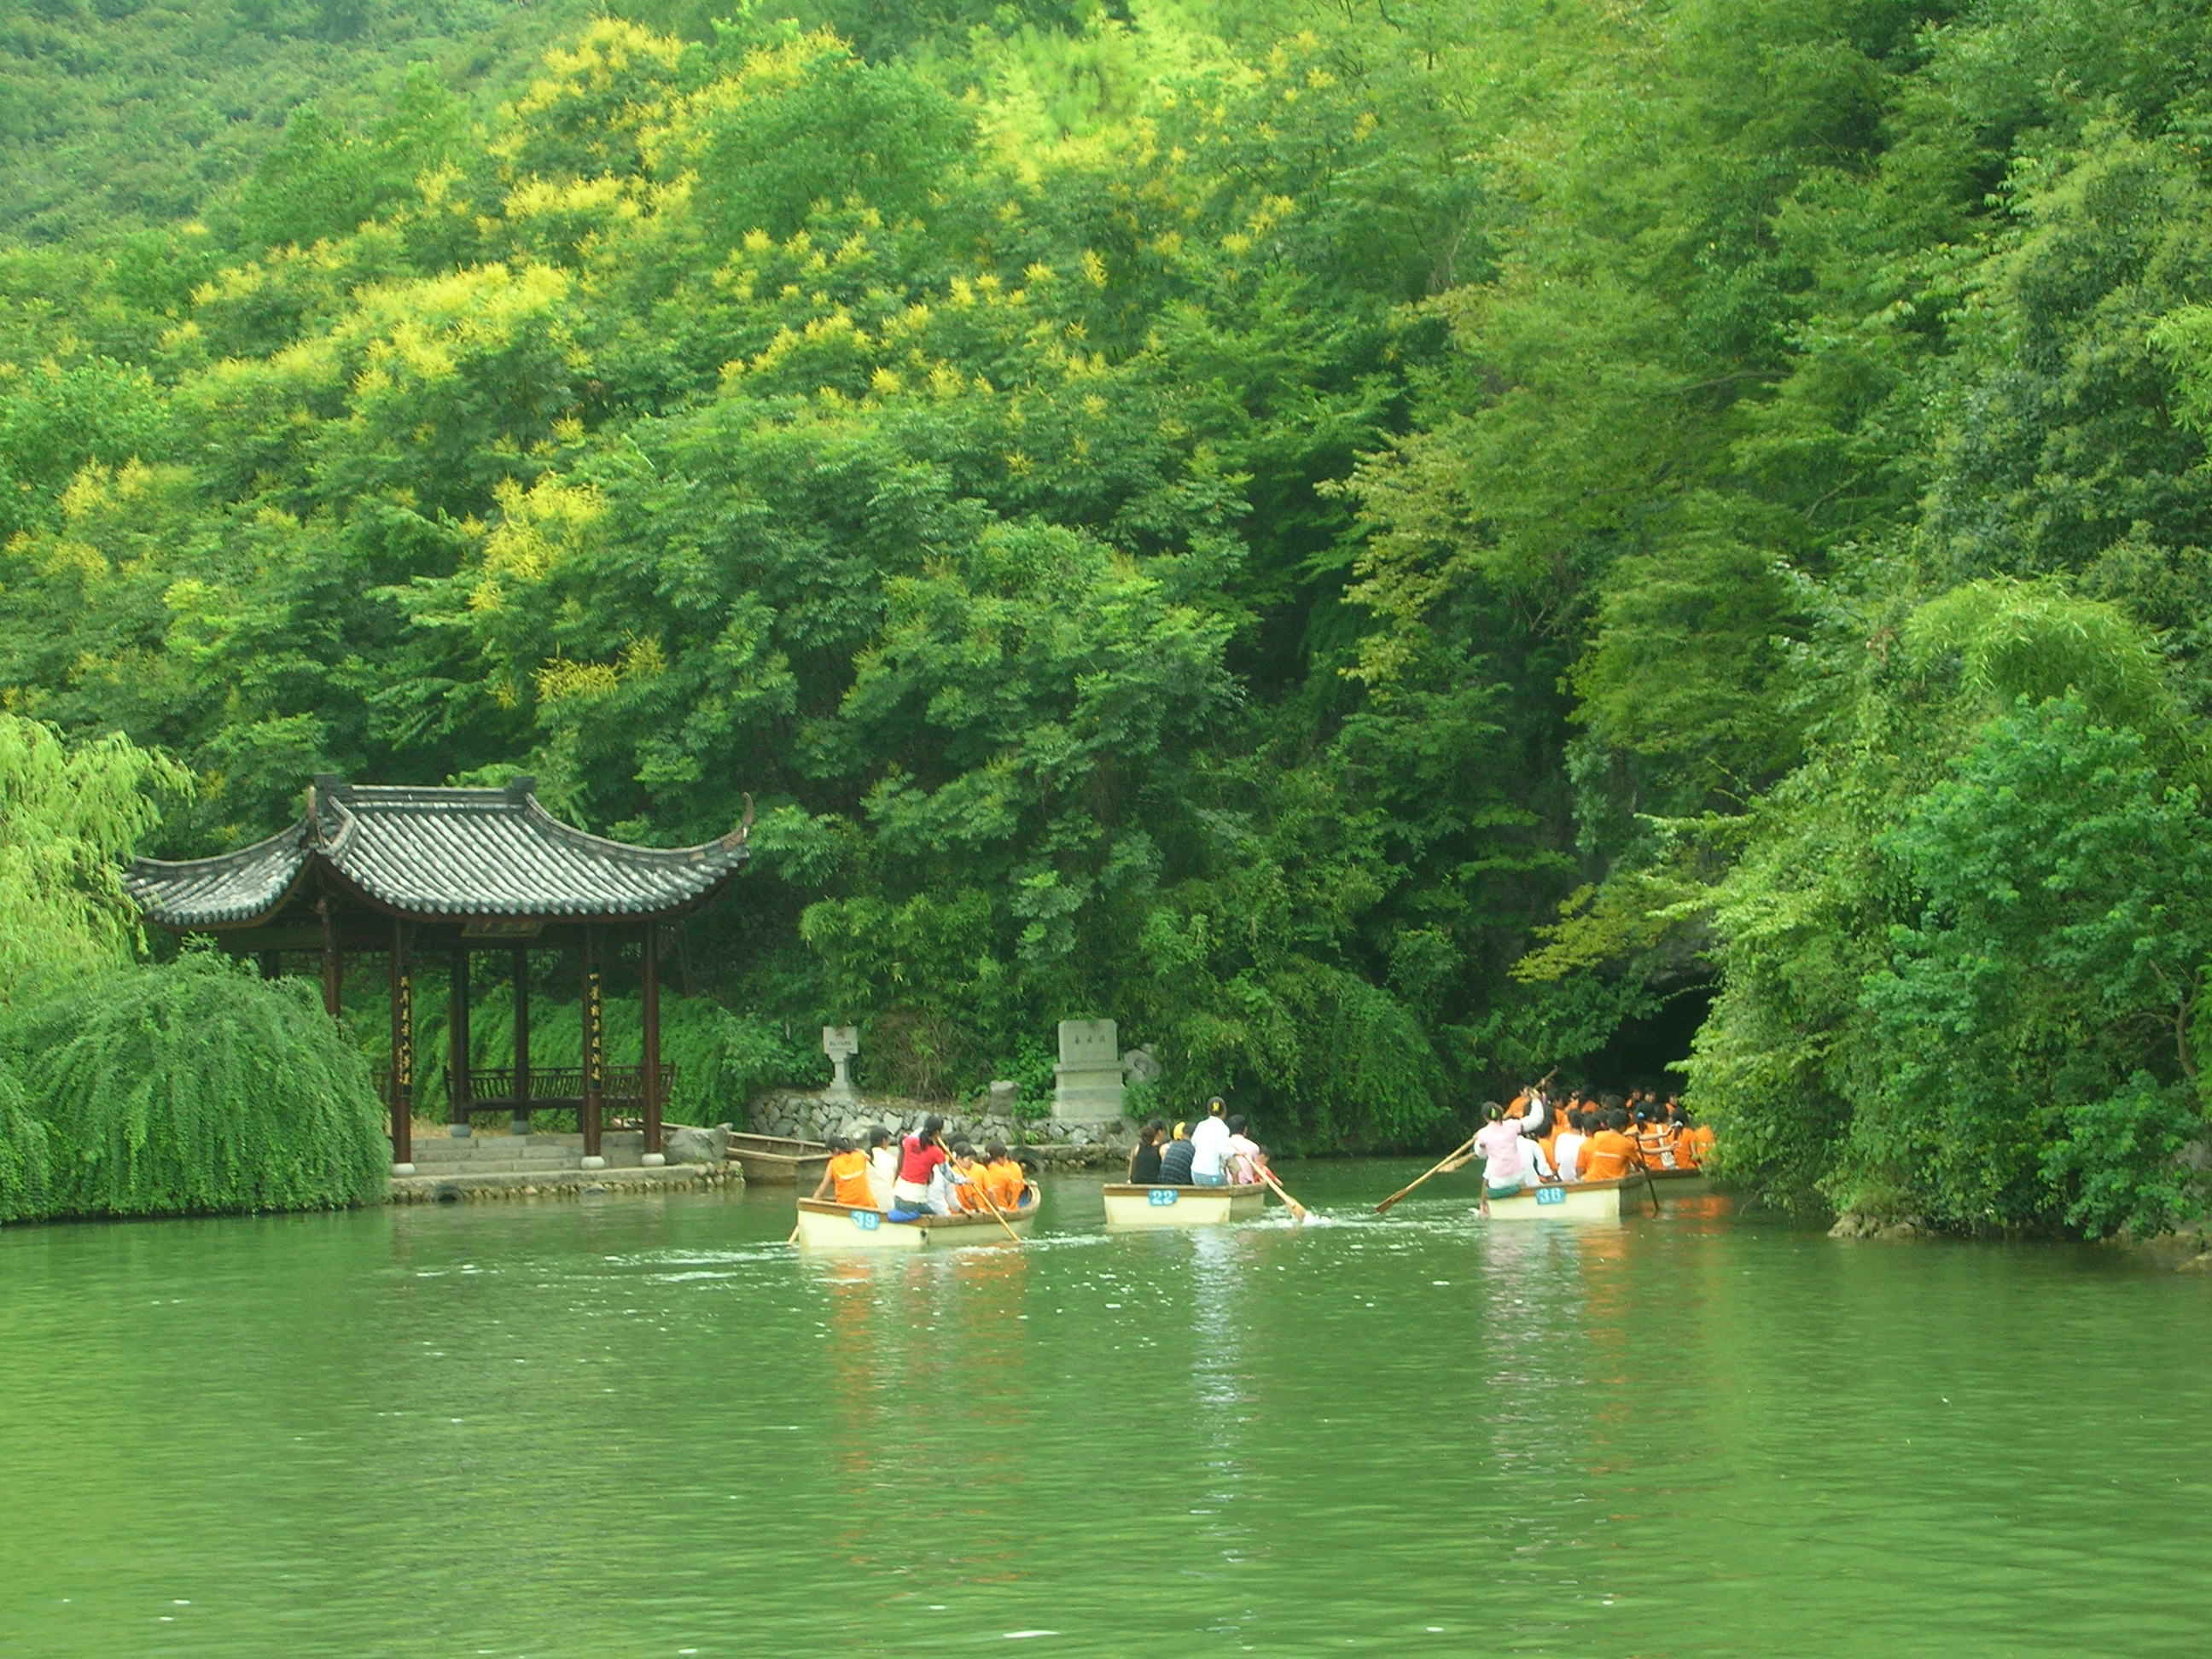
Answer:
(1087, 1082)
(841, 1043)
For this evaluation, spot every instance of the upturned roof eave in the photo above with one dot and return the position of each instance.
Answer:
(322, 852)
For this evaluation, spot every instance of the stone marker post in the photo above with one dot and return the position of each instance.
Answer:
(841, 1043)
(1087, 1082)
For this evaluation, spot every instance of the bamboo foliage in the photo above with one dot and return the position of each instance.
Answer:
(191, 1088)
(721, 1059)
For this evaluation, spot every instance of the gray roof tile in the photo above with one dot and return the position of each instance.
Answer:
(437, 853)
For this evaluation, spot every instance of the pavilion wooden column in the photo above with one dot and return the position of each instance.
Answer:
(403, 1046)
(333, 960)
(272, 964)
(521, 1121)
(649, 976)
(594, 1034)
(457, 1042)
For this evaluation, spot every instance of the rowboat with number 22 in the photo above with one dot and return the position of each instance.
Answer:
(1128, 1206)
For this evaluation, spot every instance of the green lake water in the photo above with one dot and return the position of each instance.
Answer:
(647, 1428)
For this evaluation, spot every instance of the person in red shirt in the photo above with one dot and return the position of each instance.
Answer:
(919, 1154)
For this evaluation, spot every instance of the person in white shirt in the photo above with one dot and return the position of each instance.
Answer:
(1567, 1150)
(1209, 1146)
(883, 1164)
(944, 1179)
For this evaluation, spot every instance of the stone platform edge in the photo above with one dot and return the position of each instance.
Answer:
(563, 1183)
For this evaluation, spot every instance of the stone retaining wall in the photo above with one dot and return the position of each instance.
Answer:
(1051, 1141)
(563, 1183)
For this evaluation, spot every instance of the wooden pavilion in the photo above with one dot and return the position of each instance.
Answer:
(404, 872)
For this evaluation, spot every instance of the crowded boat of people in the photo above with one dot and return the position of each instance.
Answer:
(920, 1176)
(1214, 1151)
(1581, 1138)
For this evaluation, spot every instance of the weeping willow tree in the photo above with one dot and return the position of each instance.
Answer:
(127, 1089)
(26, 1179)
(196, 1087)
(68, 815)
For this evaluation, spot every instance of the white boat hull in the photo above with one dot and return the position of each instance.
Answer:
(1588, 1201)
(826, 1226)
(1600, 1201)
(1182, 1206)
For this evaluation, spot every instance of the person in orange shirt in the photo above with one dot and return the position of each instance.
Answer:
(846, 1179)
(967, 1173)
(1005, 1180)
(1654, 1137)
(1612, 1152)
(1695, 1142)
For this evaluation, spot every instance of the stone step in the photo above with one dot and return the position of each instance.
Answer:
(483, 1157)
(476, 1166)
(567, 1183)
(460, 1151)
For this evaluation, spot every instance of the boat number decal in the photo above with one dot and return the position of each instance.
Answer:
(866, 1220)
(1164, 1195)
(1551, 1194)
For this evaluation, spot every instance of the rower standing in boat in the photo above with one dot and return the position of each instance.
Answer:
(1510, 1159)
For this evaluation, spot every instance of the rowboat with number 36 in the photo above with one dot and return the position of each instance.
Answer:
(1128, 1206)
(823, 1225)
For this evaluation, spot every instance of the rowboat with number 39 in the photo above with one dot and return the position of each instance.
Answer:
(823, 1225)
(1180, 1206)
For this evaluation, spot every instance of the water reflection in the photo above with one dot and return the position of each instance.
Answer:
(552, 1433)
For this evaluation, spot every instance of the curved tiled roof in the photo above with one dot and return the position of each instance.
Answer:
(437, 853)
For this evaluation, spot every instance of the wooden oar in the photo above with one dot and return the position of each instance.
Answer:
(1457, 1157)
(995, 1210)
(1442, 1166)
(1298, 1209)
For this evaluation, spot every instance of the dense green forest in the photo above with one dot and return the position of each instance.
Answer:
(1385, 546)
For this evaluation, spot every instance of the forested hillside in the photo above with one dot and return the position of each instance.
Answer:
(1373, 544)
(118, 114)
